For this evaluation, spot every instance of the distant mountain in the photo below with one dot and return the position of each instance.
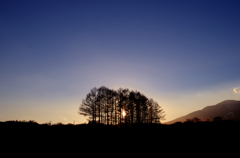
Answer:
(228, 109)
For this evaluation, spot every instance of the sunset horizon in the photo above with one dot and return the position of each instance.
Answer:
(182, 54)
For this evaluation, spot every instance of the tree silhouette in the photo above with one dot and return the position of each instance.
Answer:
(151, 111)
(131, 105)
(88, 106)
(217, 119)
(108, 105)
(195, 119)
(158, 112)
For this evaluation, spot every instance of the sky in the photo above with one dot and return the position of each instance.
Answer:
(183, 54)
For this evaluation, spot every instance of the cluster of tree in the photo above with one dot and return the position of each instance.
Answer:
(106, 106)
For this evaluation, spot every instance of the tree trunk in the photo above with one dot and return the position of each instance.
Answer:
(112, 111)
(99, 110)
(107, 111)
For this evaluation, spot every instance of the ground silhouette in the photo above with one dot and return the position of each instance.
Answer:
(136, 139)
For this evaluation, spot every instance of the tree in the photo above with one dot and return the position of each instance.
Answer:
(88, 106)
(137, 110)
(131, 105)
(151, 111)
(217, 119)
(108, 105)
(115, 98)
(144, 108)
(159, 114)
(102, 97)
(195, 119)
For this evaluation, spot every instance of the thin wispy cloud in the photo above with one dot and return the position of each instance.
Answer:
(63, 117)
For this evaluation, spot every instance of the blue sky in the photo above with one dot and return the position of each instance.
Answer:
(183, 54)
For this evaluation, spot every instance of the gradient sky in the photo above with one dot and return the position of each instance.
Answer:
(183, 54)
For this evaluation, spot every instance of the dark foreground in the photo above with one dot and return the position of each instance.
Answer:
(138, 139)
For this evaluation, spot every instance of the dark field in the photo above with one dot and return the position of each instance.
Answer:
(147, 139)
(163, 132)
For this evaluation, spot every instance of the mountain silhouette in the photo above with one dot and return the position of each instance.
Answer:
(228, 110)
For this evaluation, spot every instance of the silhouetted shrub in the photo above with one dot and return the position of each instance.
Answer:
(58, 124)
(196, 120)
(189, 121)
(217, 119)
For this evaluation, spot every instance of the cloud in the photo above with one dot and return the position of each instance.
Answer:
(236, 90)
(63, 117)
